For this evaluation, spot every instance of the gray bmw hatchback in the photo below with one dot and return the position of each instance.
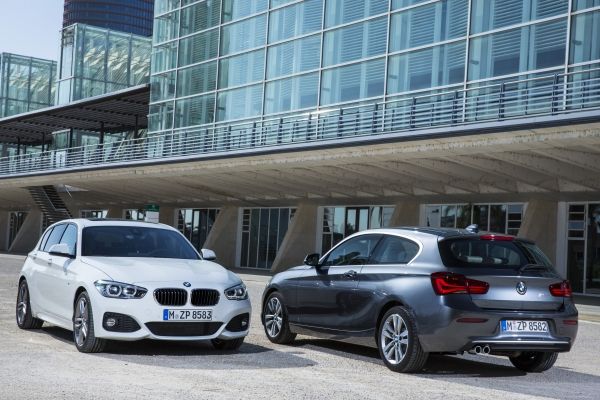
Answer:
(416, 291)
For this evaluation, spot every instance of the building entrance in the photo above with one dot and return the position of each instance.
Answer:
(583, 250)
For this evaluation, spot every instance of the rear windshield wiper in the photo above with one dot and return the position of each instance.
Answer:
(533, 267)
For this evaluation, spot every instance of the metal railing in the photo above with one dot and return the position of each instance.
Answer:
(408, 116)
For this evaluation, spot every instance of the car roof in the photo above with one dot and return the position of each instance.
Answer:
(87, 222)
(424, 230)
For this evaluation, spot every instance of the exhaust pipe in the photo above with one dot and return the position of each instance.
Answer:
(486, 349)
(480, 350)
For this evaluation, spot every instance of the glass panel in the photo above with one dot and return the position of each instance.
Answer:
(298, 19)
(162, 6)
(480, 217)
(353, 82)
(194, 111)
(70, 238)
(355, 42)
(236, 9)
(436, 66)
(239, 103)
(592, 285)
(583, 4)
(518, 50)
(200, 16)
(161, 116)
(433, 216)
(398, 4)
(493, 14)
(448, 217)
(292, 93)
(498, 218)
(429, 24)
(242, 69)
(197, 79)
(575, 264)
(394, 250)
(262, 232)
(243, 35)
(585, 37)
(164, 57)
(162, 86)
(166, 27)
(355, 251)
(198, 48)
(343, 11)
(294, 56)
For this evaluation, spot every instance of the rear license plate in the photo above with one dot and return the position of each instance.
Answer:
(524, 326)
(187, 315)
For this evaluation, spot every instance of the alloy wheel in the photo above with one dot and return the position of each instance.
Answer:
(22, 301)
(394, 339)
(273, 317)
(81, 322)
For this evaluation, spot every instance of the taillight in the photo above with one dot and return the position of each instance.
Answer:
(561, 289)
(448, 283)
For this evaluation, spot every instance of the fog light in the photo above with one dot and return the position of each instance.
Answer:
(110, 322)
(244, 323)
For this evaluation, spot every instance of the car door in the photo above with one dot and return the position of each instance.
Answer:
(45, 277)
(327, 294)
(64, 274)
(381, 277)
(38, 260)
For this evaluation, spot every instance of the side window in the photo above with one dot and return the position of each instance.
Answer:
(70, 238)
(45, 239)
(355, 251)
(54, 237)
(395, 250)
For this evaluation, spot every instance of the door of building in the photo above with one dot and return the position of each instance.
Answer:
(357, 219)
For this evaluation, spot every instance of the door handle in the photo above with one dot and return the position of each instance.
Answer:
(49, 261)
(350, 274)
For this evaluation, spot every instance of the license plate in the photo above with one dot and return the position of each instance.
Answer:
(187, 315)
(524, 326)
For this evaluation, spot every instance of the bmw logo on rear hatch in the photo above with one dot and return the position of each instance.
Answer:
(521, 288)
(187, 284)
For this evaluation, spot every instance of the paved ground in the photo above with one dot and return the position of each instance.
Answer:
(44, 364)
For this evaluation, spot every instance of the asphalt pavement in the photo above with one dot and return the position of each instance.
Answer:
(45, 364)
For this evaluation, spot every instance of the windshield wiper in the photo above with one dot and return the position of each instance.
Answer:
(533, 267)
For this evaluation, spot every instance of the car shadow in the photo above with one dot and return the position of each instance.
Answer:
(189, 355)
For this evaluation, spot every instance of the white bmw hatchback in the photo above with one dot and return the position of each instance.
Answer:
(123, 280)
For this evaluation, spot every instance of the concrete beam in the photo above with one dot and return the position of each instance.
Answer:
(29, 233)
(300, 239)
(222, 238)
(540, 224)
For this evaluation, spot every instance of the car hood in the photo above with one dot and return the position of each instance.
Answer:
(163, 270)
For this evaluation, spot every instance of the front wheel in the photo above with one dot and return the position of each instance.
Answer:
(398, 342)
(83, 327)
(25, 319)
(232, 344)
(275, 320)
(534, 361)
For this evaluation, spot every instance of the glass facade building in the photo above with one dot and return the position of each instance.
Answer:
(131, 16)
(26, 84)
(218, 62)
(95, 61)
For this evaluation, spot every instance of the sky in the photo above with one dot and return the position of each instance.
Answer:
(31, 27)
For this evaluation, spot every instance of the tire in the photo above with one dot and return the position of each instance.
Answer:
(398, 342)
(229, 345)
(23, 314)
(275, 320)
(534, 361)
(83, 327)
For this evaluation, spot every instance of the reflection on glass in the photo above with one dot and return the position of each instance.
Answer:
(294, 56)
(354, 42)
(295, 20)
(339, 12)
(353, 82)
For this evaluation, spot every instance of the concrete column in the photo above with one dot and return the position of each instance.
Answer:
(299, 240)
(29, 233)
(406, 214)
(115, 213)
(222, 238)
(4, 221)
(167, 216)
(539, 224)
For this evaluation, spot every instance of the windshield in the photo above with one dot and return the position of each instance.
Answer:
(134, 241)
(475, 252)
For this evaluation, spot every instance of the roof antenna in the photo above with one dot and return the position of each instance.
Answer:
(474, 228)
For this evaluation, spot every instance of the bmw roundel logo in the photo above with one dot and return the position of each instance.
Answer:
(521, 288)
(187, 284)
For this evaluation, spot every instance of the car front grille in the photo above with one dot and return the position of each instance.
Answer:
(171, 297)
(183, 328)
(205, 297)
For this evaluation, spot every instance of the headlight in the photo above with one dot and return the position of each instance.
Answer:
(237, 292)
(118, 290)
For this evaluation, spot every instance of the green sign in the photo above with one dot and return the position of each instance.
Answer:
(152, 207)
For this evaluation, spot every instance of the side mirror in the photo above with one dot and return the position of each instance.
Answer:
(208, 255)
(62, 250)
(312, 260)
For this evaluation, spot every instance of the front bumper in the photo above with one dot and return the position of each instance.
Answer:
(149, 316)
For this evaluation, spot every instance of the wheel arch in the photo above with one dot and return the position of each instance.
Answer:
(79, 290)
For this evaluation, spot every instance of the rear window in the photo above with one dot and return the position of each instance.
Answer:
(475, 252)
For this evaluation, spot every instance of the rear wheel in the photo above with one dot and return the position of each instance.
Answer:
(83, 327)
(25, 319)
(534, 361)
(275, 320)
(398, 342)
(232, 344)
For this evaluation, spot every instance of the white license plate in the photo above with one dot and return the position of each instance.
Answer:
(187, 315)
(524, 326)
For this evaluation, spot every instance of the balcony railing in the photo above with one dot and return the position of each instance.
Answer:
(551, 95)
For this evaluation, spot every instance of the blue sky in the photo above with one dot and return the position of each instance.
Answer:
(31, 27)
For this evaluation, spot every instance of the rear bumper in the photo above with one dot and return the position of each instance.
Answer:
(524, 344)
